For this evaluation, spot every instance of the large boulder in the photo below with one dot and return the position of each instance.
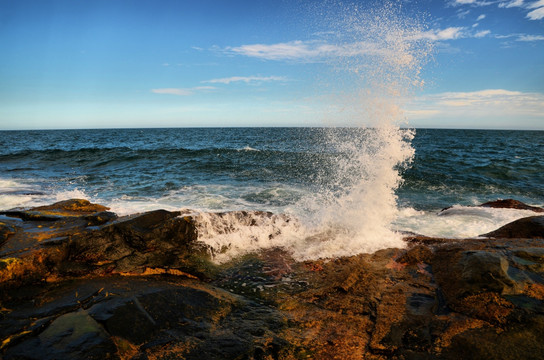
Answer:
(526, 228)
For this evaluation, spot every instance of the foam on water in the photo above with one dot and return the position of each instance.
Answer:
(458, 222)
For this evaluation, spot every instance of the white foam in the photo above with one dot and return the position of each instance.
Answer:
(248, 148)
(17, 193)
(458, 222)
(233, 234)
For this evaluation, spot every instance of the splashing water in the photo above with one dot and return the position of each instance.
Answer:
(372, 59)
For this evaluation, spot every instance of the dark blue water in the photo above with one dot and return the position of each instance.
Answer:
(255, 168)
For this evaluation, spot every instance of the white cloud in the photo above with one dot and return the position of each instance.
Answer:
(309, 51)
(510, 4)
(450, 33)
(536, 4)
(173, 91)
(246, 79)
(481, 17)
(293, 50)
(530, 38)
(487, 104)
(471, 2)
(537, 14)
(181, 91)
(481, 34)
(461, 14)
(205, 88)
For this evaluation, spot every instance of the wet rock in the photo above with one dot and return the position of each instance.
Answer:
(118, 317)
(155, 239)
(72, 207)
(6, 230)
(511, 204)
(415, 255)
(87, 284)
(70, 336)
(481, 271)
(100, 218)
(525, 228)
(57, 211)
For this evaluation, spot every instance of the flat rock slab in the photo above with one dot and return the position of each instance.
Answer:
(116, 316)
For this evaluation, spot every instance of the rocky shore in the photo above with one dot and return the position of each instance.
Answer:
(79, 282)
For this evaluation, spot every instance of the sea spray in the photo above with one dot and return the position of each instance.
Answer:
(372, 59)
(377, 68)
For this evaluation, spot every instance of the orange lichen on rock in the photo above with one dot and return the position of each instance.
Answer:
(455, 327)
(488, 306)
(535, 291)
(159, 271)
(72, 207)
(390, 311)
(125, 349)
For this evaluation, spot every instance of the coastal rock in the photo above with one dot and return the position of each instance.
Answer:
(121, 318)
(6, 231)
(527, 228)
(90, 285)
(154, 239)
(498, 204)
(511, 204)
(58, 210)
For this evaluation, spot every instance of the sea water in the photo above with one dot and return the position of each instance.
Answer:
(281, 170)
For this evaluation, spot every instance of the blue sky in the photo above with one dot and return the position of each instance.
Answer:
(166, 63)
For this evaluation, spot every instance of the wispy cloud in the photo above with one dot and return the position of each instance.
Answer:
(521, 37)
(481, 34)
(293, 50)
(510, 4)
(452, 33)
(172, 91)
(537, 14)
(471, 2)
(307, 50)
(481, 17)
(536, 7)
(181, 91)
(536, 4)
(478, 104)
(246, 79)
(461, 14)
(530, 38)
(311, 51)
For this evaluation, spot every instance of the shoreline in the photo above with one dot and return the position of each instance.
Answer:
(76, 278)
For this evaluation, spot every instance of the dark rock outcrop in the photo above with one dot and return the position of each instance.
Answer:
(511, 204)
(525, 228)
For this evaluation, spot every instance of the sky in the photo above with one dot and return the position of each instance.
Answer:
(182, 63)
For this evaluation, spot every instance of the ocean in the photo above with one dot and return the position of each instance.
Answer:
(319, 182)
